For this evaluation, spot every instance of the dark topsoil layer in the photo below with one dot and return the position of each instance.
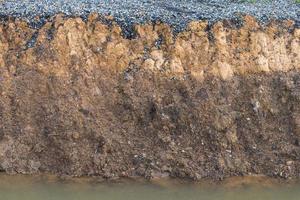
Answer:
(153, 126)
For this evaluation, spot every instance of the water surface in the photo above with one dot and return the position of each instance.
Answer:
(49, 188)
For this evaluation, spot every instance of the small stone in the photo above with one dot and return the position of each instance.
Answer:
(76, 135)
(256, 106)
(228, 151)
(290, 162)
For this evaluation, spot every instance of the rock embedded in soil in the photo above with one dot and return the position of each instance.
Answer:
(78, 98)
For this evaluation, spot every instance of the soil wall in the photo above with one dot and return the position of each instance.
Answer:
(78, 98)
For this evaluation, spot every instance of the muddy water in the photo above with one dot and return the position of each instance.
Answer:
(49, 188)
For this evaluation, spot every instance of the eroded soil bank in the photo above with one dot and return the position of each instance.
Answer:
(77, 98)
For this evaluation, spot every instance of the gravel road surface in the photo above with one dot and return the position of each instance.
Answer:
(174, 12)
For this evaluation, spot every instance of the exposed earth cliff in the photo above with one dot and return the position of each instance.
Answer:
(78, 98)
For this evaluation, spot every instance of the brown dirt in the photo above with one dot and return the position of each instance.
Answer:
(77, 98)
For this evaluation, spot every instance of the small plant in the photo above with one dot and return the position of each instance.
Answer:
(297, 1)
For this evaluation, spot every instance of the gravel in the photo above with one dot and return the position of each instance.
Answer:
(177, 13)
